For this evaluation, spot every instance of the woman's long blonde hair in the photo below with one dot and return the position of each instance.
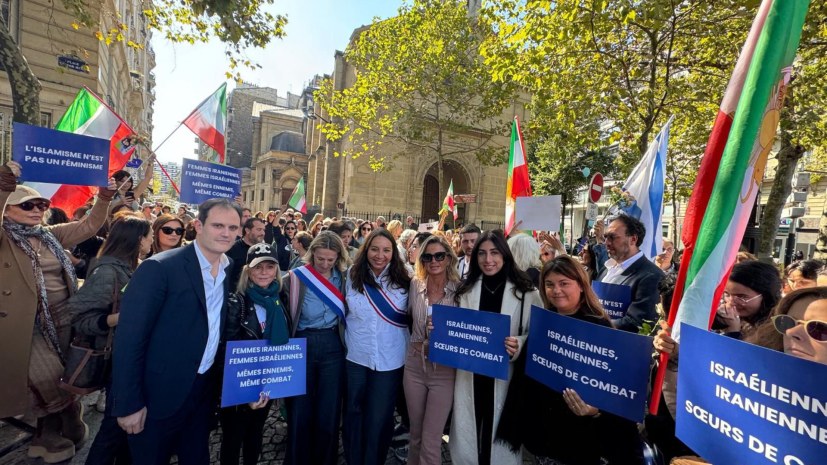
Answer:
(452, 272)
(331, 241)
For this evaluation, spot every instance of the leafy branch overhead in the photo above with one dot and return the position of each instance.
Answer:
(239, 24)
(420, 83)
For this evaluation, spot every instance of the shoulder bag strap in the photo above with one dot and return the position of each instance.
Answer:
(115, 310)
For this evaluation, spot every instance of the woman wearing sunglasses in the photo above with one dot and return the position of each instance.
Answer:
(282, 241)
(36, 281)
(429, 388)
(169, 232)
(364, 231)
(798, 326)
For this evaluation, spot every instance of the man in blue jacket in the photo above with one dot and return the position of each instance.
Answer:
(165, 372)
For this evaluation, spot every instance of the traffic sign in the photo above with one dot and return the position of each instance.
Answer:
(596, 188)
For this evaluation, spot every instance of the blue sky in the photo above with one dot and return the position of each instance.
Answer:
(187, 74)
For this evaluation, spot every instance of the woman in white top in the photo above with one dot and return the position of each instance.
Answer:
(494, 284)
(377, 338)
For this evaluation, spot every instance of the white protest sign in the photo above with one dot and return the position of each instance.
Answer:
(538, 213)
(428, 227)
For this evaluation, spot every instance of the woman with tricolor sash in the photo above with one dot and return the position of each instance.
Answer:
(377, 338)
(314, 297)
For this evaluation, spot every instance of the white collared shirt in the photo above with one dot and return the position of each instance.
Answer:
(614, 269)
(214, 292)
(371, 341)
(463, 267)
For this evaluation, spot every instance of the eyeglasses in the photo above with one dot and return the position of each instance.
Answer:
(611, 237)
(739, 300)
(668, 250)
(29, 206)
(427, 257)
(817, 330)
(176, 231)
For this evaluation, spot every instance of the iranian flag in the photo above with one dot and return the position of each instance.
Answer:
(448, 204)
(208, 119)
(297, 198)
(733, 165)
(89, 116)
(518, 182)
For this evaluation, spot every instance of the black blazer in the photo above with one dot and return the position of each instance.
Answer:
(162, 334)
(643, 277)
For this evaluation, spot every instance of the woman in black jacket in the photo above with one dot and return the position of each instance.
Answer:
(92, 317)
(254, 312)
(560, 428)
(282, 242)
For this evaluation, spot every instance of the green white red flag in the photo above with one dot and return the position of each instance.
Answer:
(448, 205)
(733, 165)
(518, 181)
(90, 116)
(297, 198)
(208, 121)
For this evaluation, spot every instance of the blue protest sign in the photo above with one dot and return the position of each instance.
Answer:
(255, 367)
(615, 298)
(470, 340)
(202, 181)
(58, 157)
(609, 369)
(134, 163)
(741, 403)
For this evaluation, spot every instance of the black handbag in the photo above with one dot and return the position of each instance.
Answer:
(87, 369)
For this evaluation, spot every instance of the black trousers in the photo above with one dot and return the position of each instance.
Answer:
(241, 430)
(368, 425)
(111, 445)
(313, 419)
(186, 432)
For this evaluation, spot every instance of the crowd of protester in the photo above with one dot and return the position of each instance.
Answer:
(165, 292)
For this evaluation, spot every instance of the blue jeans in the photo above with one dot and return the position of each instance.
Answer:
(368, 425)
(313, 419)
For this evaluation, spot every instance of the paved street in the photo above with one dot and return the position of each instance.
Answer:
(273, 451)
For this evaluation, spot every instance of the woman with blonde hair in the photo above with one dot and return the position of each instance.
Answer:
(429, 387)
(315, 225)
(314, 296)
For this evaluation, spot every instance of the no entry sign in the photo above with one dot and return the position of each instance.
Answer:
(596, 188)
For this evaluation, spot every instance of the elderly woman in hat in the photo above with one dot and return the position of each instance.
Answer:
(254, 312)
(36, 281)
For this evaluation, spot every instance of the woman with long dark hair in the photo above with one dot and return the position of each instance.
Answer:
(752, 291)
(317, 314)
(494, 284)
(377, 339)
(168, 231)
(559, 428)
(91, 308)
(282, 242)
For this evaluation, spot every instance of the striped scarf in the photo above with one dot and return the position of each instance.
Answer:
(20, 234)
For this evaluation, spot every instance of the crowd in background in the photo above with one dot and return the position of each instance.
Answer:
(165, 292)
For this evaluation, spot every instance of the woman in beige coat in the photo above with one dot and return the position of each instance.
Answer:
(494, 284)
(36, 281)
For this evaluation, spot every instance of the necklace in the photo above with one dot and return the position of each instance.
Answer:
(492, 291)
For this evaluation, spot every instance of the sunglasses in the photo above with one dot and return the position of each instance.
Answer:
(176, 231)
(817, 330)
(427, 257)
(290, 228)
(611, 237)
(29, 206)
(366, 229)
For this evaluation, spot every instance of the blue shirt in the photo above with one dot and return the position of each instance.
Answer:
(315, 313)
(214, 292)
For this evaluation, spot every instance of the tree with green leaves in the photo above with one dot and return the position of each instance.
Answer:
(556, 162)
(803, 124)
(239, 24)
(421, 85)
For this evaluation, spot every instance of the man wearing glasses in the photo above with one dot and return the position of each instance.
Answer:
(628, 267)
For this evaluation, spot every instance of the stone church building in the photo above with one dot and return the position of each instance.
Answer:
(287, 145)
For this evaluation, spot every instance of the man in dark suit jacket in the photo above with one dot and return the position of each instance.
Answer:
(629, 267)
(165, 366)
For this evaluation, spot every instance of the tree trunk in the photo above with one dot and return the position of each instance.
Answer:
(25, 87)
(787, 157)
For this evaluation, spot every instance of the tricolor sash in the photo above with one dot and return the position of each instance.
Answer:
(322, 288)
(382, 304)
